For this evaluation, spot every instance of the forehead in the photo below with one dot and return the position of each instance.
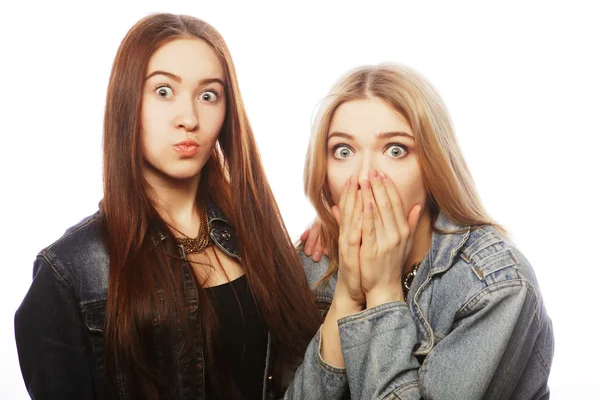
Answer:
(190, 58)
(368, 117)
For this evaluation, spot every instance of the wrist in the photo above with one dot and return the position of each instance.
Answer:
(378, 297)
(341, 308)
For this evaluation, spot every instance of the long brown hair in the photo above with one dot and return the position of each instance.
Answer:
(446, 177)
(144, 288)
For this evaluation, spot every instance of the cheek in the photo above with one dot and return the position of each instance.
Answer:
(154, 114)
(337, 175)
(211, 120)
(409, 183)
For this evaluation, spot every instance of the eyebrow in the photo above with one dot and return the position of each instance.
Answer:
(382, 135)
(178, 78)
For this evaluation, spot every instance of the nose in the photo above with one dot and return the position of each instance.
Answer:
(186, 116)
(366, 165)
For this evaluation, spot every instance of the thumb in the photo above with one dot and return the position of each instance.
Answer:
(304, 235)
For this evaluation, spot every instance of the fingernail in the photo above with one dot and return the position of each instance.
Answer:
(383, 176)
(374, 174)
(365, 184)
(316, 256)
(351, 179)
(308, 250)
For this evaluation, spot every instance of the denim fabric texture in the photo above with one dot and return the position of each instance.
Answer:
(59, 326)
(474, 327)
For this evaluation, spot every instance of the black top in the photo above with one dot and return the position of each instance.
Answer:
(242, 336)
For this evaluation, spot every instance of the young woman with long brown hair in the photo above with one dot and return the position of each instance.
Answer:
(426, 296)
(184, 284)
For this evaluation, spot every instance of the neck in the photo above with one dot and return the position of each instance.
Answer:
(176, 201)
(421, 242)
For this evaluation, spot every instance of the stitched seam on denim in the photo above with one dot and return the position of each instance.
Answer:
(324, 298)
(89, 308)
(453, 253)
(323, 363)
(230, 254)
(373, 311)
(59, 272)
(484, 241)
(422, 319)
(433, 272)
(536, 349)
(477, 297)
(401, 389)
(421, 375)
(210, 220)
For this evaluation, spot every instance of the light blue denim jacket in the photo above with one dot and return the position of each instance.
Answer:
(474, 327)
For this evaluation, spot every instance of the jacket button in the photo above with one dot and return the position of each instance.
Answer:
(225, 235)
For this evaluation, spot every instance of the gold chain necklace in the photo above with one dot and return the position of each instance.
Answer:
(408, 279)
(200, 242)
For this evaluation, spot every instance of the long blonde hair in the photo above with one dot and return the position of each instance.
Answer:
(446, 177)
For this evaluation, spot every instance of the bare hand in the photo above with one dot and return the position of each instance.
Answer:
(313, 239)
(386, 239)
(349, 293)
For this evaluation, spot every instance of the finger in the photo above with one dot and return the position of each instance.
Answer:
(354, 239)
(369, 237)
(358, 207)
(368, 198)
(313, 236)
(349, 204)
(397, 204)
(382, 201)
(357, 213)
(318, 248)
(304, 235)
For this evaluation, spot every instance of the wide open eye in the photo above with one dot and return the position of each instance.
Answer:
(342, 151)
(164, 91)
(396, 151)
(209, 96)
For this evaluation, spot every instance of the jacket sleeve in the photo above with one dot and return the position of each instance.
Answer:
(317, 380)
(49, 333)
(483, 356)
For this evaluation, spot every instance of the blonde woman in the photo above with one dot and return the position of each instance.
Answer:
(425, 295)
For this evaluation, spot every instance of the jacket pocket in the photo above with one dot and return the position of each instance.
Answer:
(94, 315)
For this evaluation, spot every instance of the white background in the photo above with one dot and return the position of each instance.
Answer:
(521, 80)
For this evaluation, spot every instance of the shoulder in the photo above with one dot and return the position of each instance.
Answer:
(494, 258)
(487, 267)
(477, 262)
(78, 258)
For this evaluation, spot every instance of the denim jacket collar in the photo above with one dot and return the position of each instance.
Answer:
(446, 243)
(221, 231)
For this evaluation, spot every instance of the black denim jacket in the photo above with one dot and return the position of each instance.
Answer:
(59, 326)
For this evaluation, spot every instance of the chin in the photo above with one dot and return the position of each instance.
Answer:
(185, 176)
